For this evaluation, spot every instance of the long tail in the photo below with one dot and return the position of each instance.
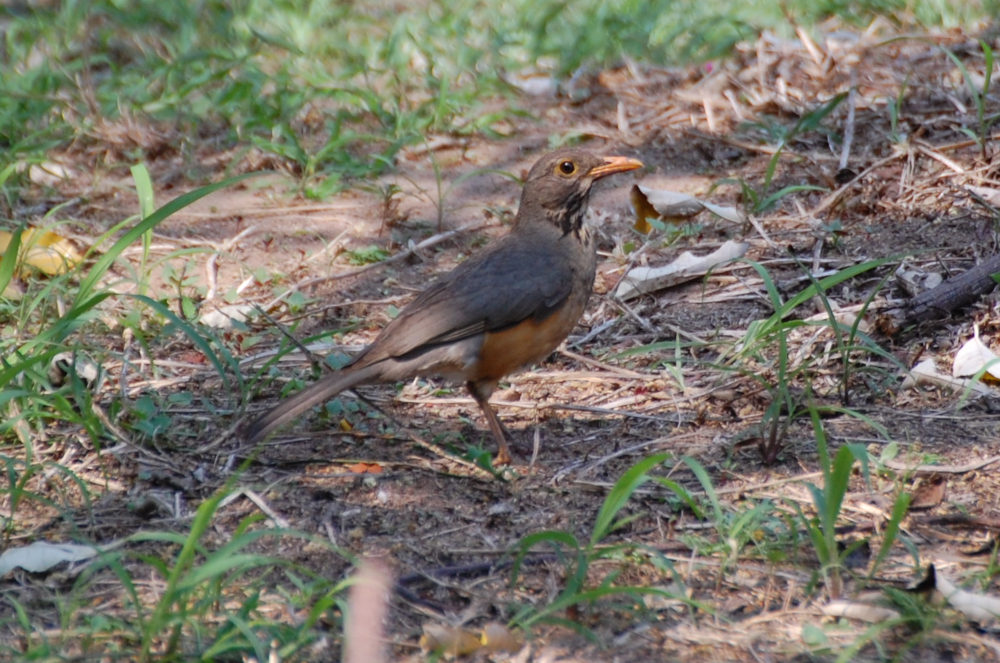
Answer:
(313, 395)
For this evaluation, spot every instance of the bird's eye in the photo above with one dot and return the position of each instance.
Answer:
(567, 167)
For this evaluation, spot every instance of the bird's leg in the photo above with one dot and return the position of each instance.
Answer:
(481, 392)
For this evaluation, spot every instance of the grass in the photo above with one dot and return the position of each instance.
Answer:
(182, 617)
(764, 354)
(581, 557)
(332, 92)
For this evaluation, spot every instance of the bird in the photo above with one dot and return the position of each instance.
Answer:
(506, 307)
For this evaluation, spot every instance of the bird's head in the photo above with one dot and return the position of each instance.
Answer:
(558, 186)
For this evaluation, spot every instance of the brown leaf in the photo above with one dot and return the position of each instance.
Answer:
(929, 493)
(365, 468)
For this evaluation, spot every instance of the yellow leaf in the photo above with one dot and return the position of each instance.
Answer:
(497, 637)
(43, 250)
(450, 640)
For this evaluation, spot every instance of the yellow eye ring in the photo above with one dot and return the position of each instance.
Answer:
(566, 167)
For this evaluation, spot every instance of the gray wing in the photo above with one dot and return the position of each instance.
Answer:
(509, 282)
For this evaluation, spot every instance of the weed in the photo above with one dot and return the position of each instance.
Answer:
(581, 557)
(366, 255)
(979, 94)
(331, 91)
(766, 345)
(761, 199)
(184, 618)
(734, 529)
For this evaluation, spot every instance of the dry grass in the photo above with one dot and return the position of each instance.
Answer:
(902, 191)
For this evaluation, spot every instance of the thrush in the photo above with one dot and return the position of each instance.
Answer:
(508, 306)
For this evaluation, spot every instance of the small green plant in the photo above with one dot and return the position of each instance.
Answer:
(367, 255)
(53, 318)
(895, 105)
(208, 603)
(827, 501)
(734, 528)
(761, 199)
(979, 94)
(765, 354)
(580, 558)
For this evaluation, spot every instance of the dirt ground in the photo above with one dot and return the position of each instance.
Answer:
(593, 410)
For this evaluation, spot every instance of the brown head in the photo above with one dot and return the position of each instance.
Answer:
(558, 186)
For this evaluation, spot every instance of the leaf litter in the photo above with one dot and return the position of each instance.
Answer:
(911, 185)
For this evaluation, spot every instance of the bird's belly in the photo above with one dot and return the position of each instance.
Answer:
(527, 342)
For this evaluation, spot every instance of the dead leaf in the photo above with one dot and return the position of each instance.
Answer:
(687, 266)
(674, 207)
(534, 83)
(988, 194)
(929, 493)
(497, 637)
(49, 173)
(926, 372)
(41, 556)
(224, 317)
(974, 356)
(981, 608)
(449, 640)
(365, 468)
(66, 364)
(42, 250)
(861, 610)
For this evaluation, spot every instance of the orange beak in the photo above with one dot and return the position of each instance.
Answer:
(614, 165)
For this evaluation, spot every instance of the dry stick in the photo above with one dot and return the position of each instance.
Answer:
(949, 469)
(402, 255)
(335, 245)
(962, 144)
(832, 198)
(815, 52)
(954, 293)
(616, 370)
(306, 352)
(849, 123)
(594, 332)
(930, 151)
(263, 506)
(212, 264)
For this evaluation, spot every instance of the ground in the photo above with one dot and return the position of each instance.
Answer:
(389, 477)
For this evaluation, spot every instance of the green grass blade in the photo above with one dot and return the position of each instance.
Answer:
(620, 493)
(840, 476)
(103, 264)
(147, 205)
(188, 329)
(899, 510)
(682, 493)
(987, 65)
(706, 483)
(144, 189)
(827, 282)
(8, 263)
(557, 538)
(772, 199)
